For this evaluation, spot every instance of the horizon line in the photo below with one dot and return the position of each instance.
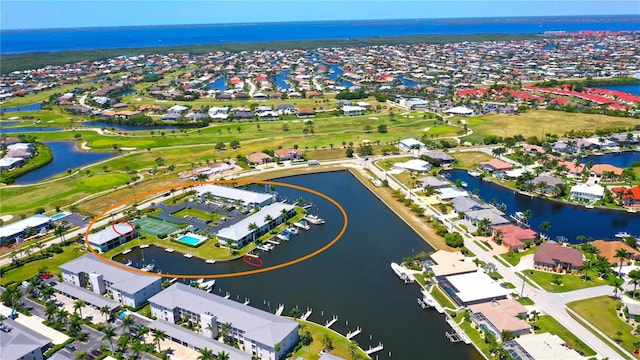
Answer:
(315, 21)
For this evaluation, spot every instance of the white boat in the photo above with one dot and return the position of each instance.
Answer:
(148, 267)
(464, 184)
(126, 251)
(189, 256)
(473, 173)
(428, 299)
(292, 230)
(209, 261)
(589, 206)
(314, 219)
(207, 285)
(631, 210)
(302, 225)
(622, 234)
(144, 246)
(129, 263)
(282, 237)
(169, 250)
(402, 273)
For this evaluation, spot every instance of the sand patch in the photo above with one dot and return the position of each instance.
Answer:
(14, 118)
(6, 217)
(127, 148)
(426, 129)
(84, 146)
(373, 118)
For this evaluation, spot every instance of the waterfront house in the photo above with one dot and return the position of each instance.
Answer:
(495, 166)
(464, 204)
(446, 263)
(258, 332)
(564, 147)
(587, 192)
(436, 182)
(449, 193)
(439, 158)
(410, 144)
(558, 258)
(493, 215)
(513, 236)
(258, 158)
(241, 233)
(501, 315)
(627, 196)
(572, 168)
(97, 283)
(112, 236)
(603, 173)
(414, 165)
(18, 341)
(8, 163)
(533, 149)
(171, 117)
(546, 183)
(608, 249)
(473, 288)
(21, 229)
(541, 346)
(288, 154)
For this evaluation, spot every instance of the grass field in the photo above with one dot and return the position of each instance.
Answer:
(203, 215)
(469, 159)
(31, 269)
(568, 282)
(311, 352)
(514, 258)
(548, 324)
(154, 227)
(601, 313)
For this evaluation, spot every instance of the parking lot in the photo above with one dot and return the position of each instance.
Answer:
(88, 311)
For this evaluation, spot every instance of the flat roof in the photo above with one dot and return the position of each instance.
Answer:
(451, 193)
(547, 346)
(197, 340)
(240, 229)
(87, 296)
(122, 280)
(19, 226)
(109, 233)
(258, 325)
(476, 286)
(449, 263)
(246, 196)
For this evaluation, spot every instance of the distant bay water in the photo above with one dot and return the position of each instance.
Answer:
(24, 41)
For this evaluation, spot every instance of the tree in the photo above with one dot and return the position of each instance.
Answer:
(254, 229)
(222, 355)
(353, 348)
(206, 354)
(622, 254)
(77, 306)
(634, 279)
(507, 335)
(225, 330)
(158, 336)
(617, 286)
(382, 129)
(106, 312)
(123, 342)
(127, 322)
(349, 152)
(545, 225)
(454, 240)
(50, 311)
(534, 315)
(295, 312)
(327, 342)
(137, 348)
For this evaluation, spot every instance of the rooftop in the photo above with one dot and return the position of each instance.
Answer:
(110, 232)
(547, 346)
(503, 314)
(240, 229)
(450, 263)
(18, 341)
(20, 225)
(476, 286)
(247, 197)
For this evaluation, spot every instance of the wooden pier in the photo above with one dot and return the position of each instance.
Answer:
(280, 310)
(374, 349)
(352, 334)
(331, 322)
(306, 315)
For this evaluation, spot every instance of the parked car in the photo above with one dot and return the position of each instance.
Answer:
(96, 352)
(70, 347)
(53, 283)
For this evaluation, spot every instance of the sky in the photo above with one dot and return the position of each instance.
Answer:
(45, 14)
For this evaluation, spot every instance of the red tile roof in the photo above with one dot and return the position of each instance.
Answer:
(513, 235)
(497, 164)
(602, 168)
(549, 253)
(633, 195)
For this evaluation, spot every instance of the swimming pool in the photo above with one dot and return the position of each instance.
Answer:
(191, 239)
(60, 215)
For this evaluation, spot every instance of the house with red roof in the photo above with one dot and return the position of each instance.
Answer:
(288, 154)
(603, 172)
(627, 196)
(513, 236)
(495, 166)
(557, 258)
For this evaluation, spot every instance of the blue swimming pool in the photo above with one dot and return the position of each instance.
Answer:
(60, 215)
(191, 239)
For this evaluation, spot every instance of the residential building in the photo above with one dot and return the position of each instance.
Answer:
(113, 235)
(603, 172)
(258, 332)
(434, 181)
(230, 194)
(464, 204)
(411, 144)
(495, 166)
(8, 163)
(513, 236)
(446, 263)
(20, 342)
(501, 315)
(547, 184)
(554, 257)
(126, 287)
(288, 154)
(21, 229)
(459, 110)
(353, 110)
(608, 250)
(627, 196)
(241, 233)
(495, 216)
(587, 192)
(441, 158)
(473, 288)
(258, 159)
(541, 347)
(414, 165)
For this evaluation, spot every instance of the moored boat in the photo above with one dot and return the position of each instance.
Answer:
(314, 219)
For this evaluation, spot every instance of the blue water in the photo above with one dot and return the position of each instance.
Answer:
(65, 156)
(106, 125)
(130, 91)
(19, 130)
(566, 220)
(337, 71)
(20, 41)
(409, 82)
(9, 123)
(31, 107)
(59, 216)
(622, 160)
(631, 89)
(280, 79)
(220, 84)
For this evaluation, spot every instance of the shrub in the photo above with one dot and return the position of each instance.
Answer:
(454, 240)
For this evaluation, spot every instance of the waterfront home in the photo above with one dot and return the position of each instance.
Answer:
(446, 263)
(501, 315)
(449, 193)
(572, 168)
(112, 236)
(439, 158)
(413, 165)
(464, 204)
(541, 346)
(587, 192)
(473, 288)
(242, 232)
(513, 236)
(171, 117)
(18, 341)
(608, 250)
(8, 163)
(558, 258)
(232, 195)
(353, 110)
(603, 172)
(533, 149)
(22, 229)
(436, 182)
(627, 196)
(494, 216)
(288, 154)
(258, 332)
(564, 147)
(106, 283)
(411, 144)
(258, 158)
(495, 166)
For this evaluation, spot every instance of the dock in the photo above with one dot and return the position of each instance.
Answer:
(227, 295)
(372, 350)
(331, 322)
(280, 310)
(274, 242)
(126, 251)
(246, 301)
(169, 250)
(352, 334)
(453, 337)
(306, 315)
(144, 246)
(458, 332)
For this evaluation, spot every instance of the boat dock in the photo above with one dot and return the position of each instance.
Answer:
(331, 322)
(352, 334)
(306, 315)
(144, 246)
(280, 310)
(458, 334)
(227, 295)
(169, 250)
(126, 251)
(372, 350)
(246, 301)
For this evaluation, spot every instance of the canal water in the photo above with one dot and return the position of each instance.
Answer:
(220, 84)
(568, 221)
(281, 79)
(621, 159)
(352, 279)
(65, 156)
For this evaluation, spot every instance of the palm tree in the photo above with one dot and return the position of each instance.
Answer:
(123, 342)
(74, 324)
(59, 231)
(106, 312)
(142, 331)
(268, 219)
(254, 229)
(46, 293)
(109, 334)
(225, 329)
(63, 316)
(545, 226)
(206, 354)
(353, 348)
(158, 335)
(137, 347)
(127, 322)
(617, 286)
(222, 355)
(634, 276)
(50, 311)
(527, 215)
(621, 254)
(534, 315)
(11, 297)
(77, 306)
(586, 266)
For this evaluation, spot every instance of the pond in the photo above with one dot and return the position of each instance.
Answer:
(102, 124)
(20, 108)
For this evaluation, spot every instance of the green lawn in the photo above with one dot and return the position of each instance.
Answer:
(568, 282)
(548, 324)
(204, 215)
(476, 338)
(442, 298)
(514, 257)
(601, 313)
(469, 160)
(311, 352)
(29, 270)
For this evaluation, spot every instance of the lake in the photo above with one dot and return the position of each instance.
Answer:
(122, 127)
(31, 107)
(25, 129)
(219, 84)
(631, 89)
(65, 156)
(351, 280)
